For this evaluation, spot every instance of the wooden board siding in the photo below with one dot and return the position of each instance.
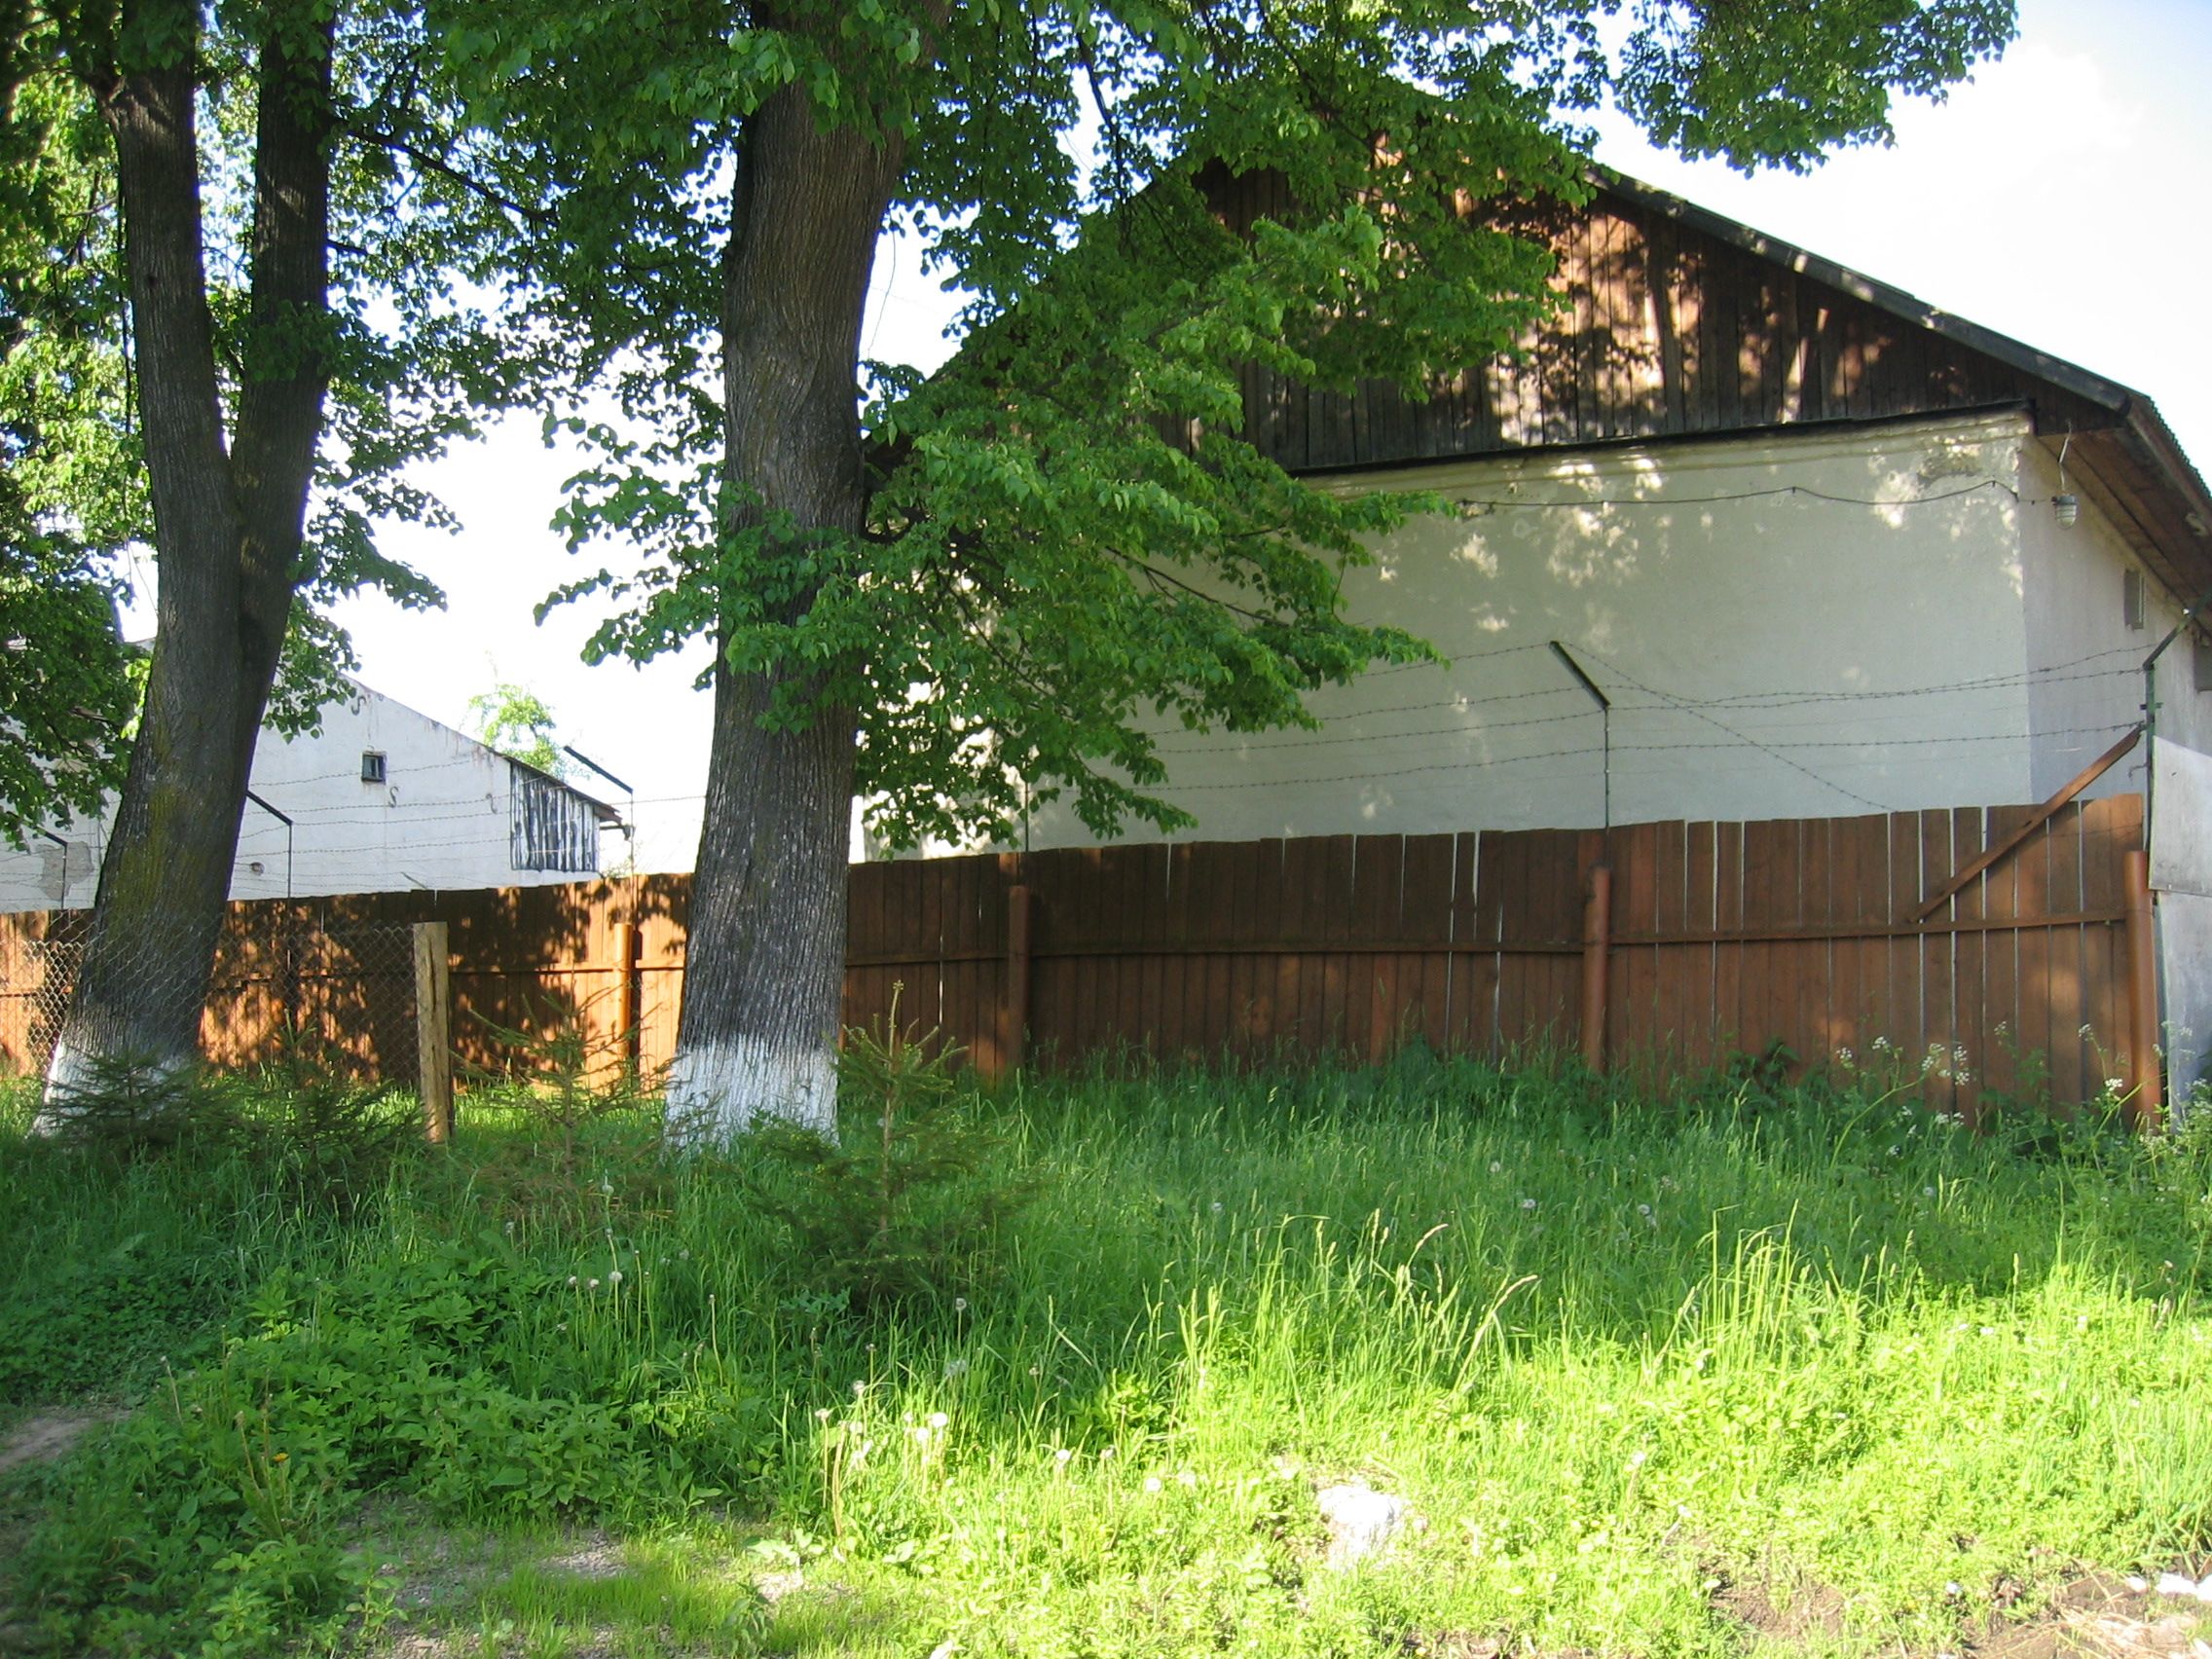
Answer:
(1668, 330)
(1787, 938)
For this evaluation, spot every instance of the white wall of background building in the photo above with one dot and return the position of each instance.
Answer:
(1794, 625)
(448, 813)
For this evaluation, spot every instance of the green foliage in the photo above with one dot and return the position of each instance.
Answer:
(1618, 1349)
(65, 693)
(908, 1206)
(515, 721)
(1068, 539)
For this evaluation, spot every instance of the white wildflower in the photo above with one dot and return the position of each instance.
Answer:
(1528, 1203)
(937, 1421)
(613, 1275)
(959, 1368)
(1152, 1483)
(960, 1305)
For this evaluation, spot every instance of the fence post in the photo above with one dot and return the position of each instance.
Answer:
(2146, 1082)
(1597, 933)
(1013, 1009)
(434, 1028)
(630, 1005)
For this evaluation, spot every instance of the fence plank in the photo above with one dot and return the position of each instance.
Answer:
(1728, 1030)
(1938, 952)
(1426, 906)
(2111, 827)
(2063, 947)
(2001, 967)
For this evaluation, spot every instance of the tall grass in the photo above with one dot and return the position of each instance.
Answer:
(1625, 1355)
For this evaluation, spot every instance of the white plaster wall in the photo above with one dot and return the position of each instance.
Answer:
(440, 819)
(1773, 649)
(2085, 679)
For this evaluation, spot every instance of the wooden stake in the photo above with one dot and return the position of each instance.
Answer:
(2037, 819)
(2146, 1081)
(630, 1018)
(434, 1028)
(1013, 1009)
(1597, 927)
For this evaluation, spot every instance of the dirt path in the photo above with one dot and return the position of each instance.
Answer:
(46, 1437)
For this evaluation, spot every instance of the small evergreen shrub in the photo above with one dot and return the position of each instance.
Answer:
(908, 1204)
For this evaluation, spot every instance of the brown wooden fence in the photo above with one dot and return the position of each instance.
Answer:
(1791, 937)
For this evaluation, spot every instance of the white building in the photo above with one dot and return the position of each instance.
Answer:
(1825, 550)
(381, 800)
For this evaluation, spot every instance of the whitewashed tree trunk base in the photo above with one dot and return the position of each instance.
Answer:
(76, 1070)
(718, 1091)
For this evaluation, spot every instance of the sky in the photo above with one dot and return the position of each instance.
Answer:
(2057, 198)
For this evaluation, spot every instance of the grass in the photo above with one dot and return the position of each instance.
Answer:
(1714, 1372)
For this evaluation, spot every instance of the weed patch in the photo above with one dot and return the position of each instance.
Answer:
(1739, 1369)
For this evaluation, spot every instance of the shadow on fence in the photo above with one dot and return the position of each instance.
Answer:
(1795, 939)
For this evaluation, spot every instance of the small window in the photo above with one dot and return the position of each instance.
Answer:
(2201, 654)
(2131, 598)
(372, 765)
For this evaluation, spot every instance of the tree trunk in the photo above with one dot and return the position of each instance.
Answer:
(766, 964)
(227, 527)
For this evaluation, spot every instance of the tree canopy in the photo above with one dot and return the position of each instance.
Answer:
(973, 596)
(1065, 532)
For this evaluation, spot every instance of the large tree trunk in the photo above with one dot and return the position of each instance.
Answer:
(765, 962)
(227, 526)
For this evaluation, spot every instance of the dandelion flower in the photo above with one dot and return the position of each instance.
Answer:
(1152, 1483)
(960, 1305)
(571, 1282)
(592, 1285)
(822, 1413)
(1528, 1203)
(959, 1368)
(1062, 1456)
(938, 1420)
(1184, 1477)
(1496, 1168)
(613, 1275)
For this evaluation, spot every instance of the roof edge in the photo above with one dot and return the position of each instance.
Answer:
(2122, 400)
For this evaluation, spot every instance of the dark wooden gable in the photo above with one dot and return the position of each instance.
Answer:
(1671, 328)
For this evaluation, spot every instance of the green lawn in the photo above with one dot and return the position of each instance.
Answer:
(1737, 1368)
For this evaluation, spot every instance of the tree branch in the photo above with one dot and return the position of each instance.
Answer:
(469, 181)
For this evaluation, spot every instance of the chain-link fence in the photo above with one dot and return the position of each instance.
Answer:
(340, 999)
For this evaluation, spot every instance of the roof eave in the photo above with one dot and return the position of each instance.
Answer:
(2072, 377)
